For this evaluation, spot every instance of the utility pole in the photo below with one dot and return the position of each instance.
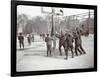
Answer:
(88, 23)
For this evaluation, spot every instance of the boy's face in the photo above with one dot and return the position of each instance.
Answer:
(47, 35)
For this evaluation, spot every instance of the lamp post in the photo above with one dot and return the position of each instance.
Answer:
(52, 13)
(52, 28)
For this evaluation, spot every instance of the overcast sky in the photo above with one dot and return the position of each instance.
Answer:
(36, 10)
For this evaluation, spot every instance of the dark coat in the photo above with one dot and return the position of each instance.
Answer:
(20, 38)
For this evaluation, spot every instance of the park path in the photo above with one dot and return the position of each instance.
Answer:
(33, 58)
